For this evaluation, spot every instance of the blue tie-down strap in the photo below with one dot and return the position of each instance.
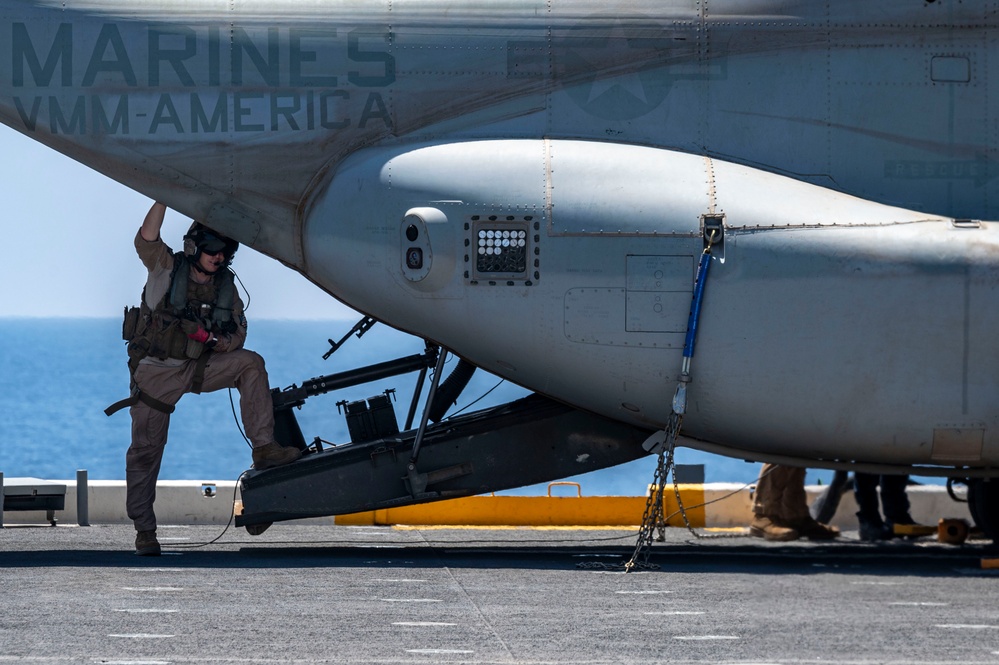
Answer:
(695, 305)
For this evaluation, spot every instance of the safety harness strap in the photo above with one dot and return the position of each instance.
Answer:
(199, 372)
(135, 398)
(152, 402)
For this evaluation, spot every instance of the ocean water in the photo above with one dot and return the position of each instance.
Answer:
(58, 375)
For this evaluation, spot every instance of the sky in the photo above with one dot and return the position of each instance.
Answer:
(68, 234)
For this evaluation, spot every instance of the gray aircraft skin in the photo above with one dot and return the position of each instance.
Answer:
(529, 184)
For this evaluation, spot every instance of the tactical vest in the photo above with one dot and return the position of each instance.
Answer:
(159, 332)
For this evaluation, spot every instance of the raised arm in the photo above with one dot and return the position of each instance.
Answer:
(150, 229)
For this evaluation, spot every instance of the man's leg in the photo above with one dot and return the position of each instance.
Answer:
(770, 506)
(244, 370)
(793, 508)
(142, 464)
(149, 437)
(865, 490)
(894, 500)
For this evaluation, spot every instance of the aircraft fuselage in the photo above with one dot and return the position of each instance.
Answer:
(373, 145)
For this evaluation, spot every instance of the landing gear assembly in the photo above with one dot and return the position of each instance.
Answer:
(531, 440)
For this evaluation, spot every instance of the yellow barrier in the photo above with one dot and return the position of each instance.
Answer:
(535, 511)
(692, 497)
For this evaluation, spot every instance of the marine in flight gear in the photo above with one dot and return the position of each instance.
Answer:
(186, 336)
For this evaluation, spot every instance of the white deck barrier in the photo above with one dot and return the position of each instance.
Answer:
(211, 502)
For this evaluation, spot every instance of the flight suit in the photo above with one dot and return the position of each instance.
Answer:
(167, 380)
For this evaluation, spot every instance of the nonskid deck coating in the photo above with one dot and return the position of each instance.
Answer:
(305, 594)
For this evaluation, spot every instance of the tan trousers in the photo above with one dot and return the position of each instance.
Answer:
(780, 494)
(240, 369)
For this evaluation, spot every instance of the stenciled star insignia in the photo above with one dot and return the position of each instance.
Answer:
(614, 72)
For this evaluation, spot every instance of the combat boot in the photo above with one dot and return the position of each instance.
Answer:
(146, 544)
(815, 530)
(873, 529)
(273, 454)
(765, 528)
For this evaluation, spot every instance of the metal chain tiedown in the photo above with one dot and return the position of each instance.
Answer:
(653, 517)
(650, 518)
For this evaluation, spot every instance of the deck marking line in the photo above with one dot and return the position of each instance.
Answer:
(879, 583)
(148, 611)
(975, 626)
(439, 651)
(411, 600)
(157, 570)
(642, 593)
(422, 623)
(706, 637)
(152, 588)
(140, 636)
(674, 613)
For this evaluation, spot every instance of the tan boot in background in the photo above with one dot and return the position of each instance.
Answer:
(765, 528)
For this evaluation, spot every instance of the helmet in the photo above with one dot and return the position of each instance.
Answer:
(199, 237)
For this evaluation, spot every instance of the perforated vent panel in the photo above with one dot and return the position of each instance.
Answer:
(502, 250)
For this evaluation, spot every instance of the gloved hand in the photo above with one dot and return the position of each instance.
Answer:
(195, 331)
(201, 335)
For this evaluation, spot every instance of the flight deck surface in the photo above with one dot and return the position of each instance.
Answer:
(311, 594)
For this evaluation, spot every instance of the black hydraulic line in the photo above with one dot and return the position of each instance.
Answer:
(824, 507)
(449, 391)
(950, 489)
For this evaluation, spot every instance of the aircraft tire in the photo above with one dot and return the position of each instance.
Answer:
(983, 503)
(973, 502)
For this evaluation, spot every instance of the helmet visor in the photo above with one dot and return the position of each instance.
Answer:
(212, 244)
